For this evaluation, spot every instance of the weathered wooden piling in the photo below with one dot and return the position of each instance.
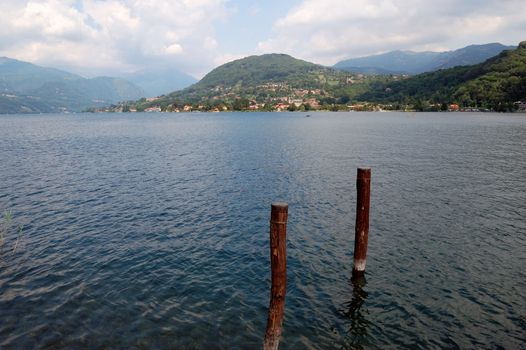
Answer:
(278, 263)
(361, 235)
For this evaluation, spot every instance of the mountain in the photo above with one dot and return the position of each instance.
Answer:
(467, 56)
(13, 104)
(269, 68)
(495, 84)
(394, 62)
(263, 82)
(23, 76)
(80, 94)
(409, 62)
(277, 81)
(269, 72)
(160, 81)
(28, 88)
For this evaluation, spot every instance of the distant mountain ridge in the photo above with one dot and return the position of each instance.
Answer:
(393, 62)
(410, 62)
(160, 81)
(497, 84)
(24, 76)
(277, 81)
(28, 88)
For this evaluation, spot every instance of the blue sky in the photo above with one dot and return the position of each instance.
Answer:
(250, 22)
(95, 37)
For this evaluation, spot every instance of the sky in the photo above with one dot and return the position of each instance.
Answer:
(113, 37)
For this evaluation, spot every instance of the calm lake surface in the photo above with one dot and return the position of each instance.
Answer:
(146, 231)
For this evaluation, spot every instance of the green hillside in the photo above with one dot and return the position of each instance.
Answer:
(255, 70)
(278, 82)
(266, 81)
(493, 84)
(11, 104)
(28, 88)
(246, 75)
(23, 76)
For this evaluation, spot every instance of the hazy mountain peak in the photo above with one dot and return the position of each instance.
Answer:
(411, 62)
(32, 88)
(496, 83)
(4, 59)
(157, 81)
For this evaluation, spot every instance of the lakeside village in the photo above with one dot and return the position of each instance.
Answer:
(310, 105)
(293, 105)
(279, 97)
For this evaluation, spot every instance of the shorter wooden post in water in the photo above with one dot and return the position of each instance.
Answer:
(361, 235)
(278, 263)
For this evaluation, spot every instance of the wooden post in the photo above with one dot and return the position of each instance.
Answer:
(361, 235)
(278, 263)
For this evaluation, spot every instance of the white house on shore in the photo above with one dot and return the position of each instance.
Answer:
(153, 109)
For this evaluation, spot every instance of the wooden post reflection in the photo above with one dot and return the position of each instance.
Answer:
(355, 312)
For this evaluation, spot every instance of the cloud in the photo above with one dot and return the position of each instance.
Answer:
(331, 30)
(174, 49)
(112, 35)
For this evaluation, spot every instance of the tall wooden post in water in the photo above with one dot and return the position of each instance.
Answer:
(361, 235)
(278, 263)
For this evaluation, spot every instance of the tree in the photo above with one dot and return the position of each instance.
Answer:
(240, 104)
(419, 105)
(343, 100)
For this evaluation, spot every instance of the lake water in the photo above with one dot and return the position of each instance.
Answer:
(146, 231)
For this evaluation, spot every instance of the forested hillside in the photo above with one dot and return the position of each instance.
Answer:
(494, 84)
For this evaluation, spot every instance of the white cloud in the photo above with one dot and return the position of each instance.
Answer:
(111, 35)
(108, 36)
(322, 12)
(65, 23)
(330, 30)
(174, 49)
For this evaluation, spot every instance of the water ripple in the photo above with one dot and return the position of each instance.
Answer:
(146, 231)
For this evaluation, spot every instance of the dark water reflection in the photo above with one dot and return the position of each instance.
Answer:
(356, 313)
(151, 230)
